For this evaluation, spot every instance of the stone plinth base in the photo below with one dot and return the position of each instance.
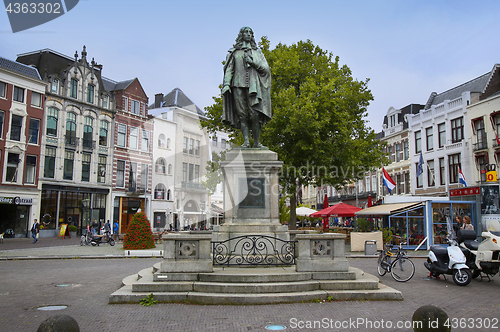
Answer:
(321, 253)
(186, 253)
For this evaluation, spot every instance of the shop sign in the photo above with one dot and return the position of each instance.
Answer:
(465, 191)
(16, 200)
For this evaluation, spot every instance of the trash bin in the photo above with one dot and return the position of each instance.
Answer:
(370, 247)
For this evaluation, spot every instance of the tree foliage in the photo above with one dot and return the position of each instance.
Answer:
(139, 234)
(318, 127)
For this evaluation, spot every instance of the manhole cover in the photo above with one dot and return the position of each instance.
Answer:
(275, 327)
(53, 307)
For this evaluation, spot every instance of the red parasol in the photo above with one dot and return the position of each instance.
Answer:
(341, 210)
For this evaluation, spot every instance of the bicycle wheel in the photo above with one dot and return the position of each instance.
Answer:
(382, 263)
(402, 269)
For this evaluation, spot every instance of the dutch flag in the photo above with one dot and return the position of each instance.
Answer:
(461, 177)
(388, 181)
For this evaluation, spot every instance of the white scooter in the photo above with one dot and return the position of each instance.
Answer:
(449, 260)
(482, 257)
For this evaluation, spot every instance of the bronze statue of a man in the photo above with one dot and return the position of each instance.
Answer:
(247, 88)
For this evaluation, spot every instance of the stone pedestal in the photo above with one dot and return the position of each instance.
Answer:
(186, 253)
(251, 195)
(321, 253)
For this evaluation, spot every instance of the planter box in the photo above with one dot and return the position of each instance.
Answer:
(47, 233)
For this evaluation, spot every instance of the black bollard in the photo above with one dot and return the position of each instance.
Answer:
(429, 318)
(59, 323)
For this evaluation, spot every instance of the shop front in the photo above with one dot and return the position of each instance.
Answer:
(15, 212)
(124, 210)
(71, 205)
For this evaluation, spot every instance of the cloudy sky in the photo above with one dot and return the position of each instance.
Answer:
(406, 48)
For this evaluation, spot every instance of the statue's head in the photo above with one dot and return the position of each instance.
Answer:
(241, 35)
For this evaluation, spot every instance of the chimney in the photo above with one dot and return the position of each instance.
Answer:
(158, 100)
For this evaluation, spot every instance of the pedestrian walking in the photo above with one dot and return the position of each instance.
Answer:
(35, 230)
(115, 230)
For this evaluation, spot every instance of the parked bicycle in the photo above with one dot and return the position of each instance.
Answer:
(401, 268)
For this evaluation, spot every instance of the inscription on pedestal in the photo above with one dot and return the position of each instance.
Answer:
(252, 191)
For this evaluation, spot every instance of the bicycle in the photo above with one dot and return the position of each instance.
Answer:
(401, 269)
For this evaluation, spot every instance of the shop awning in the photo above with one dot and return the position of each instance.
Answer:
(386, 209)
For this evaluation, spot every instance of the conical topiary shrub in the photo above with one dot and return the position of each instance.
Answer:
(139, 234)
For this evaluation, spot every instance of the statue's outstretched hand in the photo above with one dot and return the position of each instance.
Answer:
(225, 89)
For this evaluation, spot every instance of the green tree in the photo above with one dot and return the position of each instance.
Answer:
(318, 127)
(139, 234)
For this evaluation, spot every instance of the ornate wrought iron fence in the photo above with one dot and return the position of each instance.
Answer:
(253, 250)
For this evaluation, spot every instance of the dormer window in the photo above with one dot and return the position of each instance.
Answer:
(392, 120)
(55, 86)
(73, 93)
(90, 93)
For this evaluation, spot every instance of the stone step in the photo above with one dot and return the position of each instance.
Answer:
(125, 295)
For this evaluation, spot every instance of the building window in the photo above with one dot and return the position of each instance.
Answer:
(398, 151)
(442, 172)
(161, 141)
(3, 89)
(196, 173)
(197, 148)
(36, 99)
(185, 145)
(160, 191)
(481, 134)
(105, 101)
(392, 119)
(136, 108)
(125, 104)
(168, 143)
(86, 162)
(429, 133)
(103, 133)
(457, 130)
(29, 174)
(101, 173)
(90, 93)
(400, 184)
(15, 127)
(50, 162)
(420, 178)
(214, 141)
(34, 131)
(184, 172)
(73, 92)
(54, 88)
(134, 138)
(406, 154)
(144, 177)
(2, 117)
(454, 165)
(431, 181)
(191, 146)
(160, 166)
(12, 166)
(121, 135)
(88, 132)
(442, 134)
(169, 171)
(389, 150)
(223, 143)
(120, 174)
(418, 141)
(482, 162)
(18, 94)
(132, 177)
(407, 183)
(71, 129)
(69, 157)
(145, 140)
(52, 117)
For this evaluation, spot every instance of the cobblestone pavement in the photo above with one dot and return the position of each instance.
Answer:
(83, 285)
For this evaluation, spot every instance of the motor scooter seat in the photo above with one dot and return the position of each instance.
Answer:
(472, 245)
(439, 250)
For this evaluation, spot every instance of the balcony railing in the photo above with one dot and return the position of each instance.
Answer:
(88, 144)
(479, 146)
(71, 141)
(192, 185)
